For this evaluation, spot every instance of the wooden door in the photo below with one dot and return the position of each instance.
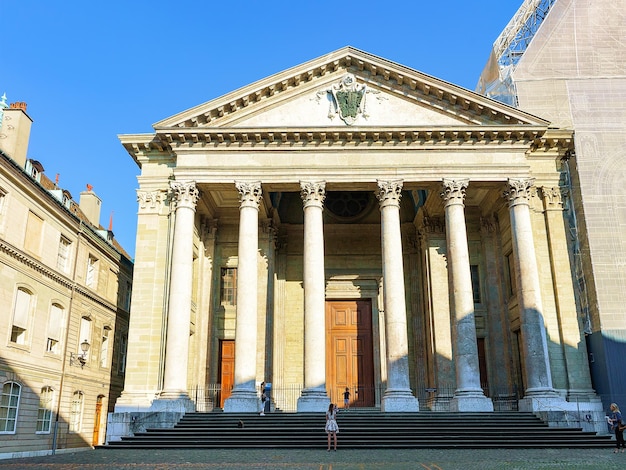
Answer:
(227, 369)
(97, 421)
(349, 356)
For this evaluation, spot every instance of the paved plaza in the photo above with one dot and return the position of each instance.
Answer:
(422, 459)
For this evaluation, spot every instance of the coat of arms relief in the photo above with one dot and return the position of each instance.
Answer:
(347, 99)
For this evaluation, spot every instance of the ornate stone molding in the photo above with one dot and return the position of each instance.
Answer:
(313, 193)
(389, 192)
(185, 194)
(151, 200)
(453, 191)
(250, 193)
(519, 191)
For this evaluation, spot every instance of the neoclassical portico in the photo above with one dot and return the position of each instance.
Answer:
(359, 238)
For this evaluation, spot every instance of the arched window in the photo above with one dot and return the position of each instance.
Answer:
(55, 329)
(9, 406)
(76, 411)
(44, 414)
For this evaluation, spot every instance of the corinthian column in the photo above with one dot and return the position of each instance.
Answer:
(185, 195)
(397, 396)
(314, 397)
(539, 394)
(469, 395)
(244, 397)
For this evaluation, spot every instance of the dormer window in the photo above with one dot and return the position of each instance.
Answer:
(34, 169)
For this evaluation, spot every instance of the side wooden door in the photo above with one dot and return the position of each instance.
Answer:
(227, 369)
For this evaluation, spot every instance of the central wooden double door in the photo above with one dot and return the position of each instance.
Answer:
(349, 352)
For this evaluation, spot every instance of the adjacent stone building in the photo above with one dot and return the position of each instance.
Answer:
(65, 288)
(563, 60)
(352, 222)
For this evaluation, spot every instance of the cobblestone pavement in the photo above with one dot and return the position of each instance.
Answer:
(421, 459)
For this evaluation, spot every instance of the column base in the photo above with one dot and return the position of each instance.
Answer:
(547, 401)
(313, 401)
(398, 401)
(470, 402)
(242, 401)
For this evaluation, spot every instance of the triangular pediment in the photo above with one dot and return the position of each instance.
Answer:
(349, 88)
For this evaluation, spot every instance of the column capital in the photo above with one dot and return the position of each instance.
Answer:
(389, 192)
(151, 201)
(250, 193)
(553, 197)
(313, 193)
(453, 191)
(519, 191)
(185, 194)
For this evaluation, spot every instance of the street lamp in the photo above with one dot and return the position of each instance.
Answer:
(80, 359)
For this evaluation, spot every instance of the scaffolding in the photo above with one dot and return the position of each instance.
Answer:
(496, 80)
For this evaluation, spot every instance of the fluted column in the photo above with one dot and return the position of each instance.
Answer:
(314, 397)
(468, 395)
(179, 306)
(397, 396)
(244, 397)
(539, 391)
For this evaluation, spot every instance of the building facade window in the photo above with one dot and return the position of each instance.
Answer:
(55, 329)
(475, 274)
(104, 347)
(91, 279)
(76, 411)
(21, 316)
(228, 286)
(121, 364)
(44, 413)
(9, 407)
(3, 207)
(509, 263)
(84, 334)
(63, 256)
(34, 233)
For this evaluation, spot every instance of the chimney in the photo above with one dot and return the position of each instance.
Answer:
(90, 205)
(15, 132)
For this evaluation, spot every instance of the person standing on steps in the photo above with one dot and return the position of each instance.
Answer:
(619, 426)
(346, 399)
(263, 398)
(331, 425)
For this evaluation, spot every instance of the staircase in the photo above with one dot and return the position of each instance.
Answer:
(364, 430)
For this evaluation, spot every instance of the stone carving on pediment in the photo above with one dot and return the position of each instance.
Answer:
(347, 99)
(151, 200)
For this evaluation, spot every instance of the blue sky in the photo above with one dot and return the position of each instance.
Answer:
(92, 70)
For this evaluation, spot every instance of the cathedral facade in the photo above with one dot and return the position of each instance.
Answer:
(353, 223)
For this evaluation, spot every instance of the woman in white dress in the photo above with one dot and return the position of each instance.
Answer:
(331, 425)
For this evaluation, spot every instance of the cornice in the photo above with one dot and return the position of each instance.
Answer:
(54, 276)
(531, 137)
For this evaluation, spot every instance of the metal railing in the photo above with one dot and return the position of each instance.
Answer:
(285, 398)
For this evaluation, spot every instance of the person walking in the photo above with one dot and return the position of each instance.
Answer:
(618, 426)
(346, 399)
(331, 425)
